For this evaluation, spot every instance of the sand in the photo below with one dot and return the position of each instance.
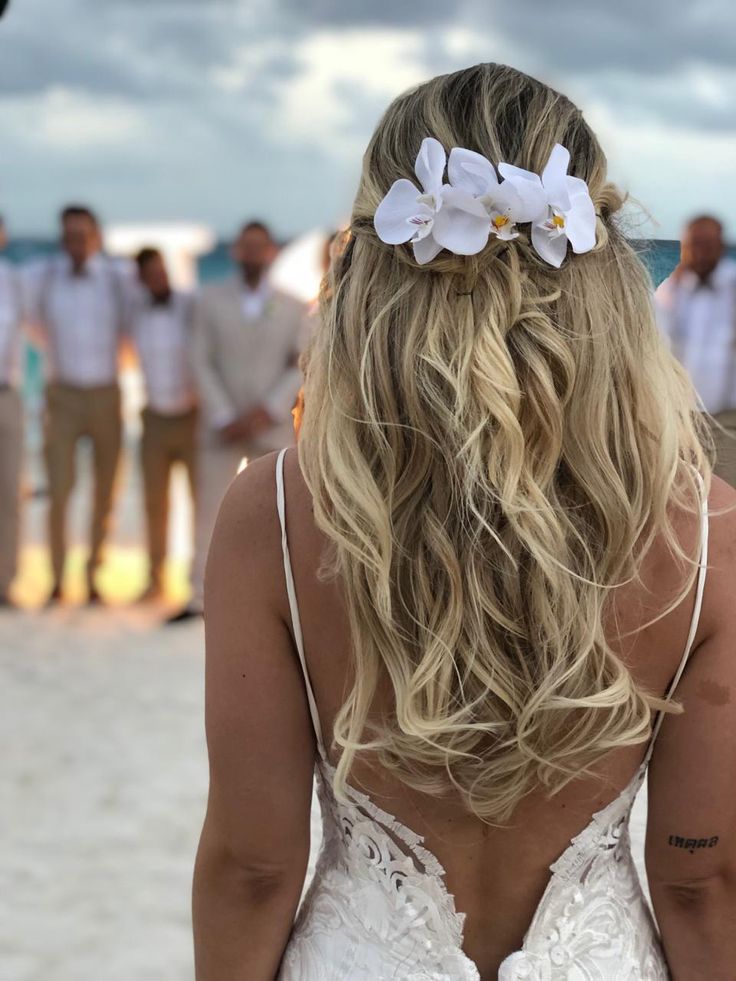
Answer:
(106, 771)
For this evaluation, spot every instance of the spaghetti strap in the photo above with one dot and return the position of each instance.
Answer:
(293, 606)
(702, 570)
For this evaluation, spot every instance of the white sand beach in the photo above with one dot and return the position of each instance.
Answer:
(106, 770)
(104, 779)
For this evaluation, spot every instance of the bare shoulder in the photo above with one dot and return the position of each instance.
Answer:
(718, 606)
(722, 513)
(245, 547)
(253, 491)
(249, 513)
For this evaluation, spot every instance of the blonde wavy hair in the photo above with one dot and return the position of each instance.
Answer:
(492, 446)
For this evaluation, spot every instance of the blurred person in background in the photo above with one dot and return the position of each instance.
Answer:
(76, 305)
(696, 307)
(161, 328)
(11, 421)
(248, 336)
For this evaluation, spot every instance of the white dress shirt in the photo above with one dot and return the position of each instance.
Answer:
(254, 300)
(162, 334)
(699, 321)
(10, 319)
(79, 317)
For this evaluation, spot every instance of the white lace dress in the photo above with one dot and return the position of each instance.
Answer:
(378, 908)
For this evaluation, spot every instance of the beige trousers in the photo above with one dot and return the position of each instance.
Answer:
(725, 446)
(166, 440)
(72, 413)
(11, 457)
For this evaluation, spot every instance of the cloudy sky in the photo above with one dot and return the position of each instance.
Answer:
(216, 110)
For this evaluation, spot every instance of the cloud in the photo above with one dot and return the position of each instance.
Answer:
(34, 61)
(159, 49)
(214, 103)
(334, 97)
(672, 173)
(646, 36)
(697, 98)
(65, 122)
(156, 48)
(141, 50)
(358, 13)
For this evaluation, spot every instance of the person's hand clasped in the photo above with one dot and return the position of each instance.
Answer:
(233, 432)
(258, 420)
(248, 426)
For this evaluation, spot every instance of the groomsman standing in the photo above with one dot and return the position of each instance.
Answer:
(248, 337)
(11, 422)
(161, 326)
(76, 300)
(696, 308)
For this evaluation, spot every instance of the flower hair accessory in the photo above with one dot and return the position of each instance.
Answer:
(462, 214)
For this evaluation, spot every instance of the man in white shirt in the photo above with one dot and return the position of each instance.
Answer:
(76, 302)
(696, 308)
(248, 337)
(11, 422)
(161, 326)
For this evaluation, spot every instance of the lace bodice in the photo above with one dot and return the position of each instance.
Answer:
(378, 908)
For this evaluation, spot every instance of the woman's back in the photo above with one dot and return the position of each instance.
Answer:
(498, 876)
(506, 467)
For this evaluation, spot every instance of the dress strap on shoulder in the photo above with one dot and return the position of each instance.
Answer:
(293, 606)
(699, 589)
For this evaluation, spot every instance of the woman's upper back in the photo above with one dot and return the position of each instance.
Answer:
(507, 868)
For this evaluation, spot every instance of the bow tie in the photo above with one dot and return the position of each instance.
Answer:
(705, 283)
(161, 301)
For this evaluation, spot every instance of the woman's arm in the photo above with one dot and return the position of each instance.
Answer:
(691, 832)
(254, 846)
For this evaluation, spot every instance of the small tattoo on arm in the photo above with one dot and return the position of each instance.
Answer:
(690, 844)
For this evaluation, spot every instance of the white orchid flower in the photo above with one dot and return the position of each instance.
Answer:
(506, 202)
(438, 217)
(407, 214)
(568, 212)
(461, 226)
(461, 215)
